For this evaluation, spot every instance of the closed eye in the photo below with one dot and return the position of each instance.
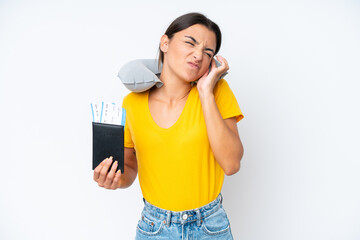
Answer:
(193, 45)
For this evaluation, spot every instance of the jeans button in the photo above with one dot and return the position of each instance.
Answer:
(185, 216)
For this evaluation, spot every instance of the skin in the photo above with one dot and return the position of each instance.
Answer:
(166, 103)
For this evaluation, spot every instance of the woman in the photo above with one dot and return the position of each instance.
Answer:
(185, 138)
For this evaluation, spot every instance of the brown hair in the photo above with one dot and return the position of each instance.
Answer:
(187, 20)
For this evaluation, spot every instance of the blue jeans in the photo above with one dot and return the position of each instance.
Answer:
(207, 222)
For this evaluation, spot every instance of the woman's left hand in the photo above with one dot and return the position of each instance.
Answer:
(206, 83)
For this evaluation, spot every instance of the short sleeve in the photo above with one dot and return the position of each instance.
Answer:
(226, 101)
(127, 134)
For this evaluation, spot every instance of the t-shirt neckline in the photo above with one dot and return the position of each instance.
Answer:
(177, 121)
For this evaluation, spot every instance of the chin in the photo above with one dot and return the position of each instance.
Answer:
(191, 78)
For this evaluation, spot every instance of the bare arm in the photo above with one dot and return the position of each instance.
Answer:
(223, 136)
(130, 168)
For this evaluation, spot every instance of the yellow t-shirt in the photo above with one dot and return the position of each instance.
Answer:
(176, 167)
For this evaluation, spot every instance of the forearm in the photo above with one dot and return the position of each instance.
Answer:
(128, 177)
(225, 144)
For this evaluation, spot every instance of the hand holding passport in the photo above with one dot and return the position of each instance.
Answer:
(108, 135)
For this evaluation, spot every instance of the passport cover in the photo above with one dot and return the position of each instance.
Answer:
(108, 140)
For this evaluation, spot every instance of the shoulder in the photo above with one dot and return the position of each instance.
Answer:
(221, 86)
(133, 98)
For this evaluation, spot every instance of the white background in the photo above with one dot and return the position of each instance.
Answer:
(294, 68)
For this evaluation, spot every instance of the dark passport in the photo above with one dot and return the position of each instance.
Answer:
(108, 140)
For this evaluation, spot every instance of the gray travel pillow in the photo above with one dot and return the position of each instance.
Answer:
(140, 75)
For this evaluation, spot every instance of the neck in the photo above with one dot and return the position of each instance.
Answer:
(174, 88)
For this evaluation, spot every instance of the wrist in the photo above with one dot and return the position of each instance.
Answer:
(206, 95)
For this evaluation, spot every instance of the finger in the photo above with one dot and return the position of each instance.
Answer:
(115, 183)
(220, 58)
(111, 175)
(104, 172)
(223, 66)
(98, 169)
(223, 62)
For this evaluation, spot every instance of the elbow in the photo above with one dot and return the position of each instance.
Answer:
(235, 167)
(232, 169)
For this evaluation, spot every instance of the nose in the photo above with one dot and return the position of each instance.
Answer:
(198, 54)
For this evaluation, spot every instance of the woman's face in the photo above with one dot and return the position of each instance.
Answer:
(189, 53)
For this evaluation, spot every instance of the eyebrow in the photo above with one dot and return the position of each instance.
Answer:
(209, 49)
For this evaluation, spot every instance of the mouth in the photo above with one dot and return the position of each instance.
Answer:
(193, 65)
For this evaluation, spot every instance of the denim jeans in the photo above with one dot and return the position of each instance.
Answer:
(207, 222)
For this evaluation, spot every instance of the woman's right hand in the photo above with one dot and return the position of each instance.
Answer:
(105, 179)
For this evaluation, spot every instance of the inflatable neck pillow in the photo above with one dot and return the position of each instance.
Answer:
(142, 74)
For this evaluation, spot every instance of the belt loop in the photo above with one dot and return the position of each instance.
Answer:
(168, 213)
(144, 200)
(221, 198)
(198, 216)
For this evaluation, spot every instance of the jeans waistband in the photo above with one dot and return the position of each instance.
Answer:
(183, 217)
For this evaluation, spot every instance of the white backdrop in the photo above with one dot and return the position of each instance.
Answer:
(294, 68)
